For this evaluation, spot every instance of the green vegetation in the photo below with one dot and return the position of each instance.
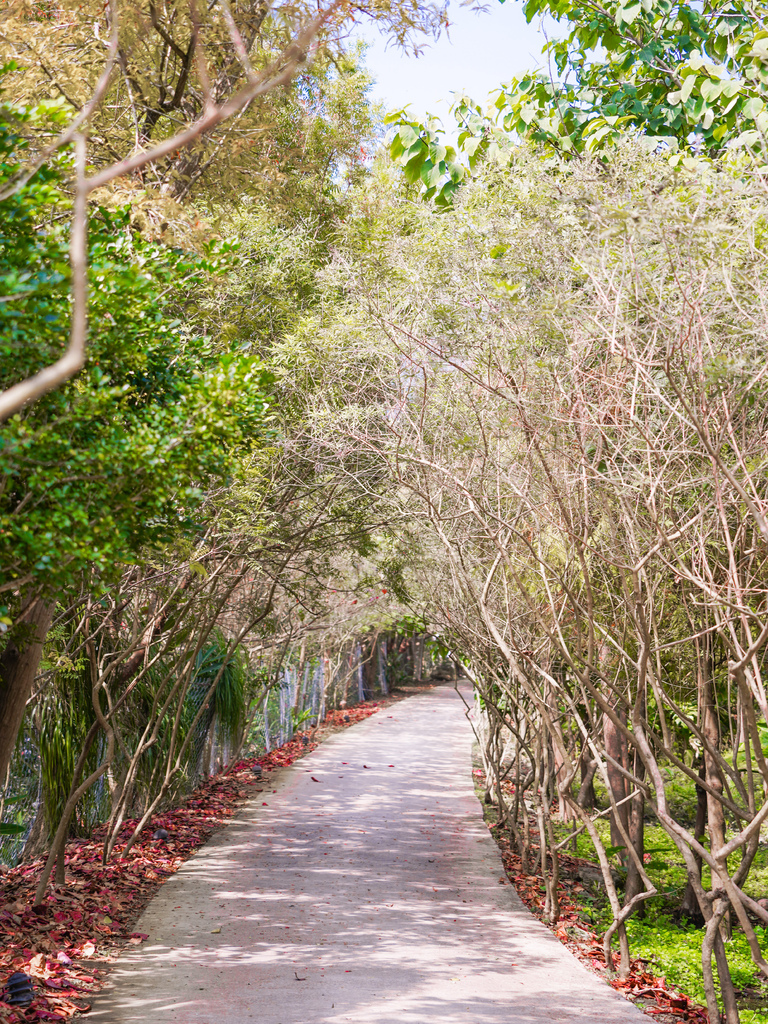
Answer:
(309, 415)
(668, 943)
(685, 79)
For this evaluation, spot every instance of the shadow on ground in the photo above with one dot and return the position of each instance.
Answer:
(366, 889)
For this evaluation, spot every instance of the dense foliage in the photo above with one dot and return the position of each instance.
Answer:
(526, 416)
(686, 79)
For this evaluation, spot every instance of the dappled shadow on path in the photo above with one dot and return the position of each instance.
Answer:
(366, 890)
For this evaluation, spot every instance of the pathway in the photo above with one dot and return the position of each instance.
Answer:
(366, 890)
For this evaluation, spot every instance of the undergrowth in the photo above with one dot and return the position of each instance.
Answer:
(670, 945)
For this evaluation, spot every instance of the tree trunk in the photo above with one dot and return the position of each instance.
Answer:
(636, 805)
(631, 813)
(711, 730)
(616, 749)
(564, 810)
(587, 769)
(690, 908)
(18, 668)
(715, 810)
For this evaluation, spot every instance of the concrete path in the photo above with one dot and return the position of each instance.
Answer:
(367, 890)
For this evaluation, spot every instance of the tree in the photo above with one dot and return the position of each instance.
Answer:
(688, 79)
(681, 74)
(117, 460)
(195, 73)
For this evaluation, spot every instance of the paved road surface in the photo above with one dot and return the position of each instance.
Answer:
(366, 891)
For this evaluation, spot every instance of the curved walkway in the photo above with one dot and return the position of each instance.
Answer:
(366, 890)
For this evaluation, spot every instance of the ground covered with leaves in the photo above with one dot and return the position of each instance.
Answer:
(68, 943)
(649, 991)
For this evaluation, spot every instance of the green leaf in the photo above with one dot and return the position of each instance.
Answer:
(627, 15)
(689, 84)
(753, 107)
(407, 135)
(412, 170)
(7, 829)
(711, 89)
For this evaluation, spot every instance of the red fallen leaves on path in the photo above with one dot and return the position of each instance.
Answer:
(669, 1003)
(89, 920)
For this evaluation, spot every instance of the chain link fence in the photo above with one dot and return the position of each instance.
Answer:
(296, 698)
(21, 795)
(307, 688)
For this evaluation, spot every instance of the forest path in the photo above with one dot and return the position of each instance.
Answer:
(366, 890)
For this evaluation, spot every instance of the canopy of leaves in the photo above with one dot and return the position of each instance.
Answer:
(119, 457)
(172, 61)
(690, 79)
(670, 70)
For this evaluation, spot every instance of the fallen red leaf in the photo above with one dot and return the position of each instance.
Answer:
(94, 912)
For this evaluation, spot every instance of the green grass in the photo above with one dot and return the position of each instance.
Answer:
(674, 950)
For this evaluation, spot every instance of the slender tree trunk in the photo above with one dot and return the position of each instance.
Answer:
(18, 667)
(720, 922)
(58, 844)
(616, 751)
(631, 813)
(690, 908)
(551, 871)
(711, 730)
(525, 842)
(587, 769)
(636, 816)
(564, 810)
(713, 944)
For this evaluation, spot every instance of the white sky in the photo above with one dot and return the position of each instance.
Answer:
(484, 50)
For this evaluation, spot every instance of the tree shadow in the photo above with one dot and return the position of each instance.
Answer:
(364, 894)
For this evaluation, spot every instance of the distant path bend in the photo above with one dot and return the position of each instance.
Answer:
(367, 890)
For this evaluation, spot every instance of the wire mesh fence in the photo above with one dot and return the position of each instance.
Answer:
(307, 688)
(294, 698)
(21, 795)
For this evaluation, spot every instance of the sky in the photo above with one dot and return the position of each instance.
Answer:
(482, 51)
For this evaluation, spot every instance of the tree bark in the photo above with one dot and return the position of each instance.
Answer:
(690, 908)
(587, 769)
(631, 812)
(616, 750)
(636, 805)
(715, 809)
(18, 668)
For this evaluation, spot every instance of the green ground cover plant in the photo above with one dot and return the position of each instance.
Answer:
(669, 944)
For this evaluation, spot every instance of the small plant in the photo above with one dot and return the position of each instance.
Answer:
(299, 718)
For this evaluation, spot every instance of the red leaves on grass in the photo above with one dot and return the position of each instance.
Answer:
(641, 986)
(88, 921)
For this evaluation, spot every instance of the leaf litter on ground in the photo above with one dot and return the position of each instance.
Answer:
(67, 944)
(649, 992)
